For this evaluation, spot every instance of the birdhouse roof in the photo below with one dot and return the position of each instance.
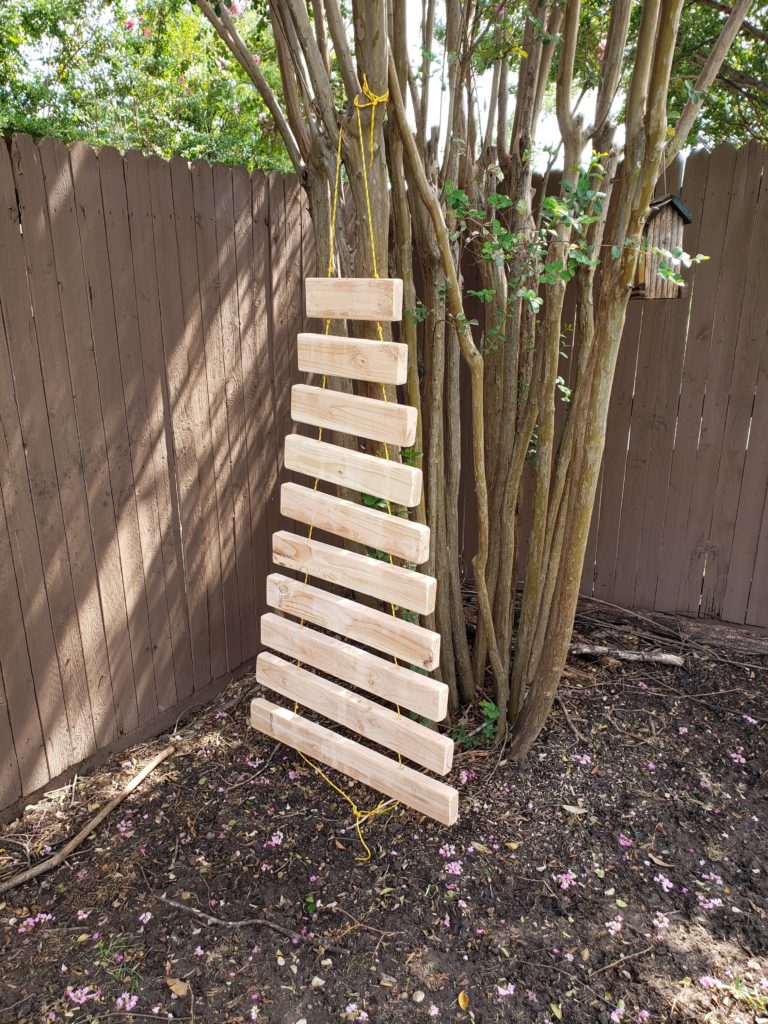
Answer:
(674, 201)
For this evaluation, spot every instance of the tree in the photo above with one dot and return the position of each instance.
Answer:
(149, 76)
(473, 203)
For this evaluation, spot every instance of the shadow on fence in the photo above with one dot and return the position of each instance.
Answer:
(149, 310)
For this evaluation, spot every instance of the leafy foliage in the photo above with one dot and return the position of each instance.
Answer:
(149, 75)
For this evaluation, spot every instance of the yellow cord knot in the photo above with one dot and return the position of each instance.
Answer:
(373, 100)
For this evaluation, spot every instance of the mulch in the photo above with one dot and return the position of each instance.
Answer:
(617, 877)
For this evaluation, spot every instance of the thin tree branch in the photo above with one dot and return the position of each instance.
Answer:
(748, 27)
(341, 48)
(709, 72)
(228, 33)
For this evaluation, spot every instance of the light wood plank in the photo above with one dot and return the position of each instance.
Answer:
(381, 362)
(355, 298)
(412, 788)
(412, 690)
(372, 418)
(371, 576)
(367, 473)
(359, 714)
(378, 530)
(413, 644)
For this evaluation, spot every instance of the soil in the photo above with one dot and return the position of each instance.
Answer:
(620, 876)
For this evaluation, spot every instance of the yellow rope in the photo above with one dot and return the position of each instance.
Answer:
(373, 102)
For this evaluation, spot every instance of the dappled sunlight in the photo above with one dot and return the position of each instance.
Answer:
(139, 419)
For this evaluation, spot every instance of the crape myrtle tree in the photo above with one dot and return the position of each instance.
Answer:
(442, 204)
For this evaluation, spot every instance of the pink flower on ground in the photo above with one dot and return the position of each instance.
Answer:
(664, 882)
(126, 1002)
(566, 880)
(614, 926)
(80, 996)
(506, 990)
(707, 981)
(623, 841)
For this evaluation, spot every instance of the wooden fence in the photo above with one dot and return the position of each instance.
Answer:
(149, 312)
(148, 317)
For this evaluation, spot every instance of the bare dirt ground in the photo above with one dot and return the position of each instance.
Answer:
(617, 876)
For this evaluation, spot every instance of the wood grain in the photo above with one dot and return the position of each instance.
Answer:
(355, 298)
(414, 789)
(367, 473)
(379, 724)
(374, 577)
(380, 362)
(368, 526)
(371, 418)
(405, 640)
(384, 679)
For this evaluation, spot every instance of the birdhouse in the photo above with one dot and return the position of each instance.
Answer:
(663, 230)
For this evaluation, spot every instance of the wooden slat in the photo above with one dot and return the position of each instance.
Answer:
(210, 297)
(286, 320)
(132, 669)
(368, 526)
(737, 423)
(181, 383)
(704, 550)
(666, 394)
(236, 413)
(674, 543)
(371, 576)
(257, 369)
(112, 658)
(207, 560)
(412, 690)
(65, 537)
(10, 779)
(381, 362)
(405, 640)
(359, 714)
(177, 680)
(37, 715)
(371, 418)
(413, 788)
(29, 567)
(370, 474)
(355, 298)
(747, 589)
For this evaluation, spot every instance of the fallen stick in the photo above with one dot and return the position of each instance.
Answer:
(66, 851)
(621, 960)
(219, 922)
(569, 721)
(594, 651)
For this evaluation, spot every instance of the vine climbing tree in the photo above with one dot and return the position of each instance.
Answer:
(464, 196)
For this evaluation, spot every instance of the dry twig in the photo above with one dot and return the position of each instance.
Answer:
(69, 848)
(246, 921)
